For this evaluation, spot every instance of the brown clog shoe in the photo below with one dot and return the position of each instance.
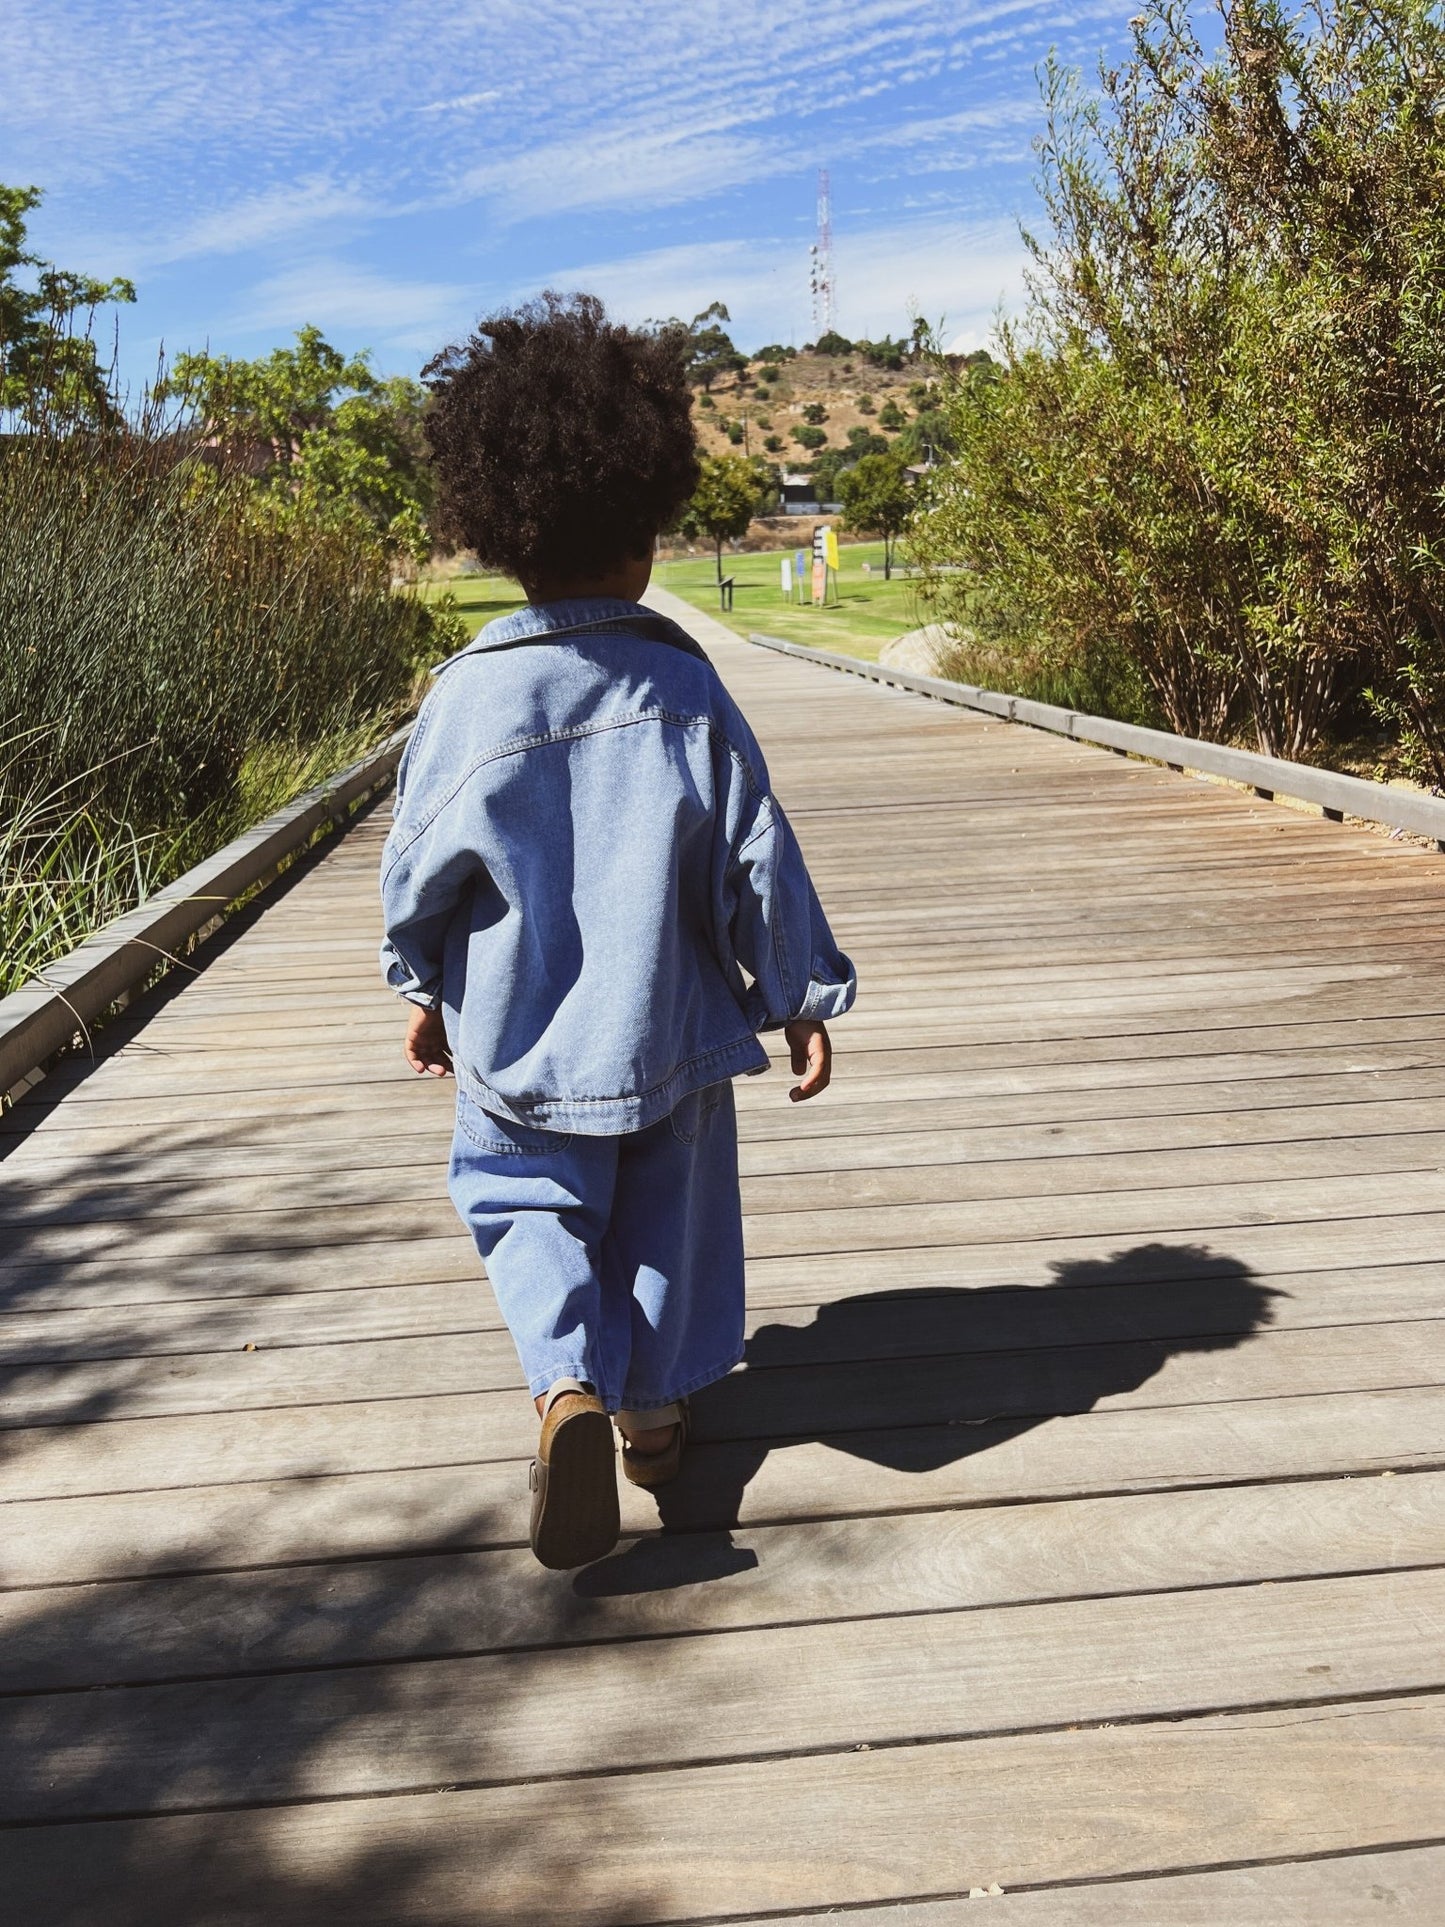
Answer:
(575, 1515)
(651, 1469)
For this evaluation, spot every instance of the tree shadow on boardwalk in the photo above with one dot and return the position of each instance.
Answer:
(912, 1381)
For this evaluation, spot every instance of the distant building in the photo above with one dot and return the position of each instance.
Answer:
(799, 497)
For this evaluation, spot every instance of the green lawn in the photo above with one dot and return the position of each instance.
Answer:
(868, 613)
(478, 597)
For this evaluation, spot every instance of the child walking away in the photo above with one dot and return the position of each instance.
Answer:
(594, 903)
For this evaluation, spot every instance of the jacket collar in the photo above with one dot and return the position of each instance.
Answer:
(589, 615)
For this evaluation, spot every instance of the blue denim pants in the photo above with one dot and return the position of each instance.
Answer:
(615, 1260)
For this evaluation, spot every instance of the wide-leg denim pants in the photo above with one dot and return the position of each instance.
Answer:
(615, 1260)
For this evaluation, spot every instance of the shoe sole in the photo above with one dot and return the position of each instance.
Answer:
(576, 1517)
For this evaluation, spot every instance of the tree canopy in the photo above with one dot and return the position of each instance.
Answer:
(318, 428)
(48, 359)
(728, 495)
(877, 499)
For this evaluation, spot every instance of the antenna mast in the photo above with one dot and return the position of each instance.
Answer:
(820, 278)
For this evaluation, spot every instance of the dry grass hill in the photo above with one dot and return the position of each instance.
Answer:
(768, 400)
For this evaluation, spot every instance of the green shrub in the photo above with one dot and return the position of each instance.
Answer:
(810, 437)
(1215, 450)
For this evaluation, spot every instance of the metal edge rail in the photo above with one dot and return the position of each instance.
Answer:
(42, 1018)
(1268, 776)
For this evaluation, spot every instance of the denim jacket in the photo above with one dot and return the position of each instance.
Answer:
(585, 860)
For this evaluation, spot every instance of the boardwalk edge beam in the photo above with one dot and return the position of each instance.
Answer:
(43, 1017)
(1337, 795)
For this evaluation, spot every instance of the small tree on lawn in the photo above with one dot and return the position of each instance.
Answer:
(877, 499)
(724, 502)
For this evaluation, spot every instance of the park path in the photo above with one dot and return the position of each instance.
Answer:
(1076, 1527)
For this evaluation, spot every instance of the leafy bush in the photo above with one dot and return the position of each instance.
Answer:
(810, 437)
(866, 441)
(772, 443)
(814, 412)
(865, 405)
(832, 343)
(1216, 449)
(891, 416)
(886, 353)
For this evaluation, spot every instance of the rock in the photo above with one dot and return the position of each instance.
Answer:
(925, 652)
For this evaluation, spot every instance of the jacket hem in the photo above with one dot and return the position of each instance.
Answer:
(625, 1112)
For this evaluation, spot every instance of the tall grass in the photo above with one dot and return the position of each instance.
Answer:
(179, 654)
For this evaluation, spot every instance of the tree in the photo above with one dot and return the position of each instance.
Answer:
(824, 471)
(877, 499)
(928, 436)
(314, 427)
(772, 443)
(48, 362)
(810, 437)
(832, 343)
(724, 502)
(886, 353)
(865, 441)
(815, 412)
(891, 416)
(775, 352)
(710, 350)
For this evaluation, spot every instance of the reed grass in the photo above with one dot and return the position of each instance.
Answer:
(179, 655)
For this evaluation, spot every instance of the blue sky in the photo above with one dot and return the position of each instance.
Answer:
(389, 169)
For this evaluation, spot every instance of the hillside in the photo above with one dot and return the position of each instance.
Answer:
(768, 399)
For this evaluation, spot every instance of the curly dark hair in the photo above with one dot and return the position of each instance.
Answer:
(563, 442)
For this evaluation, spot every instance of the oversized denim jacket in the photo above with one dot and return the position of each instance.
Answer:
(585, 860)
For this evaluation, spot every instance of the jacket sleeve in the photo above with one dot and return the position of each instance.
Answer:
(426, 874)
(779, 933)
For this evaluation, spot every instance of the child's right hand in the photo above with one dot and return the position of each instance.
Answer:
(426, 1043)
(812, 1057)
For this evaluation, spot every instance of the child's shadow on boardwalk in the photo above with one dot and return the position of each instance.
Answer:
(915, 1380)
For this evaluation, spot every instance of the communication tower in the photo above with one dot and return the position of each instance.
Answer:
(820, 278)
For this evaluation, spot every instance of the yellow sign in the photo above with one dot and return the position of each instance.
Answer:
(831, 548)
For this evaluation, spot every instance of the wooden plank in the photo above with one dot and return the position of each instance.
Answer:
(834, 1830)
(257, 1621)
(1364, 1099)
(260, 1271)
(1354, 1890)
(310, 1512)
(932, 1676)
(872, 1363)
(895, 1416)
(1219, 1210)
(1122, 1301)
(985, 1067)
(850, 1179)
(946, 1132)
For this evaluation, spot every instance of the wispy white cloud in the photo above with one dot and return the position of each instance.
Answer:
(354, 160)
(394, 312)
(943, 268)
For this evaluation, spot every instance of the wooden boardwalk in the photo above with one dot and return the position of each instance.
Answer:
(1076, 1526)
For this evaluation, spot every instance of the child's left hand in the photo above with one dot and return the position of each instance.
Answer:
(426, 1043)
